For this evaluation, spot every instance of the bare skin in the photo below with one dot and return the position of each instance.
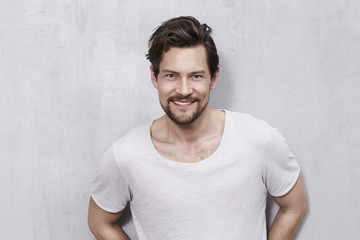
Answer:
(191, 143)
(293, 208)
(104, 224)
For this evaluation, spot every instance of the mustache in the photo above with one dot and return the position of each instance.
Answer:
(179, 99)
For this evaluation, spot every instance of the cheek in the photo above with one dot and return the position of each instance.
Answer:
(204, 90)
(166, 90)
(163, 95)
(163, 92)
(166, 87)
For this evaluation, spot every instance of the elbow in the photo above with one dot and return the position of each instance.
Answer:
(305, 208)
(92, 226)
(95, 230)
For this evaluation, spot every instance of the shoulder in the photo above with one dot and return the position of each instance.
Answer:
(245, 129)
(135, 134)
(132, 143)
(247, 123)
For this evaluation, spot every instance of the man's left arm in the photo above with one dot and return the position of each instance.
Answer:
(293, 208)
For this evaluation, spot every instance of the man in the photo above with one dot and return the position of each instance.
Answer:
(196, 172)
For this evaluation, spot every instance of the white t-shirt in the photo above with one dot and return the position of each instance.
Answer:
(220, 197)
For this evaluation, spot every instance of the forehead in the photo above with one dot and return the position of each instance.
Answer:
(187, 59)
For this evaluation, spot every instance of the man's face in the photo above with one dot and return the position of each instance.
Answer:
(184, 83)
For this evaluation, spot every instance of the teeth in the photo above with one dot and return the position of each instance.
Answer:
(182, 103)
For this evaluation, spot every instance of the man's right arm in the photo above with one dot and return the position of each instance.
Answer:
(104, 224)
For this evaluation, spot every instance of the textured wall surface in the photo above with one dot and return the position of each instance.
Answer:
(73, 79)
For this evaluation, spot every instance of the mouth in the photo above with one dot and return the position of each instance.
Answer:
(182, 103)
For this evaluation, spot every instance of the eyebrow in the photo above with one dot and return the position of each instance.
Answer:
(169, 71)
(192, 73)
(200, 71)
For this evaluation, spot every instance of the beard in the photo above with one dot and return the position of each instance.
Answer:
(184, 119)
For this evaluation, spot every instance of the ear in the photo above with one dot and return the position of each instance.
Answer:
(214, 80)
(153, 78)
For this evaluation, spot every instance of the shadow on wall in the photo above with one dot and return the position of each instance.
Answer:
(221, 97)
(127, 224)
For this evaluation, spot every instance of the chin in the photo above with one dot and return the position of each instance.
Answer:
(184, 118)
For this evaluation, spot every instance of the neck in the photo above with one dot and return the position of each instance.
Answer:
(194, 132)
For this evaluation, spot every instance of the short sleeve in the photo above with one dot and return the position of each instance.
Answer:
(110, 190)
(281, 168)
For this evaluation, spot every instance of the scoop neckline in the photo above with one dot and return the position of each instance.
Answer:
(162, 159)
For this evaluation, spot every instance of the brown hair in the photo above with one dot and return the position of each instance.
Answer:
(182, 32)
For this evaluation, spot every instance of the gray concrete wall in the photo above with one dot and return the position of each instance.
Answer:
(73, 79)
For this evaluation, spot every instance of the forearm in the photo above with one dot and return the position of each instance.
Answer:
(286, 224)
(109, 232)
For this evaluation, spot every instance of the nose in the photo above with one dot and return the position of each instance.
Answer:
(184, 88)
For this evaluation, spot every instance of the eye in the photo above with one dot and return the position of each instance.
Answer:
(170, 76)
(197, 77)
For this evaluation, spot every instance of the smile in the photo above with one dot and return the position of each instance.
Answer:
(182, 103)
